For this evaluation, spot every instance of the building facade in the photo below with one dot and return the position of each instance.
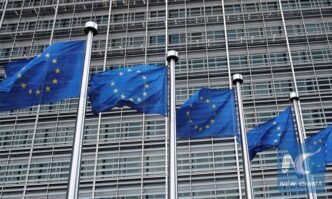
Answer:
(277, 45)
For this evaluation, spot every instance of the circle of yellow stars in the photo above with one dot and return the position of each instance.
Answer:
(317, 143)
(47, 88)
(132, 99)
(279, 132)
(211, 122)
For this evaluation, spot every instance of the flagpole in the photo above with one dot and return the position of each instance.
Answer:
(172, 58)
(238, 80)
(74, 178)
(294, 98)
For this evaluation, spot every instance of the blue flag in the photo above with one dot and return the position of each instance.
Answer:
(13, 67)
(292, 174)
(53, 75)
(319, 150)
(143, 88)
(208, 113)
(278, 133)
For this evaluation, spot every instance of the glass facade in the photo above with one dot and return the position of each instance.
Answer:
(272, 43)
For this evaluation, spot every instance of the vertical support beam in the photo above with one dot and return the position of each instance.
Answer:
(226, 42)
(238, 80)
(294, 98)
(288, 46)
(54, 19)
(74, 178)
(3, 13)
(291, 61)
(230, 87)
(172, 58)
(99, 115)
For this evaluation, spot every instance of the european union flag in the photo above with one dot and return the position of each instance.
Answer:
(293, 174)
(319, 150)
(208, 113)
(143, 88)
(278, 133)
(53, 75)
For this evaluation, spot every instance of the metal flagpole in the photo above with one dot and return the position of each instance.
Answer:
(238, 80)
(172, 58)
(294, 98)
(74, 178)
(166, 118)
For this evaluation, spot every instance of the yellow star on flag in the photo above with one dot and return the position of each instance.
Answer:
(54, 81)
(54, 61)
(37, 92)
(57, 71)
(23, 85)
(47, 89)
(30, 91)
(47, 55)
(19, 76)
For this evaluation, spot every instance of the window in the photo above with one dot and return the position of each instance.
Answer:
(278, 58)
(177, 38)
(312, 28)
(215, 35)
(135, 42)
(258, 59)
(250, 7)
(157, 14)
(194, 12)
(116, 43)
(137, 16)
(177, 13)
(157, 40)
(196, 37)
(230, 9)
